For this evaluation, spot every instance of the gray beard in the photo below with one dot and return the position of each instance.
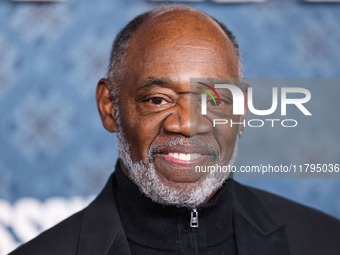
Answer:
(149, 183)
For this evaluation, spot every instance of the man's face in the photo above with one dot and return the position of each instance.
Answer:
(156, 109)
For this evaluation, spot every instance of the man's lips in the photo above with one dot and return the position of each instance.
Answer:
(184, 156)
(184, 160)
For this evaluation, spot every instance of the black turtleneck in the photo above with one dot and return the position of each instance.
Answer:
(152, 228)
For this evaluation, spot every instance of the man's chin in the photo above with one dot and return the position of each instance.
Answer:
(180, 183)
(177, 192)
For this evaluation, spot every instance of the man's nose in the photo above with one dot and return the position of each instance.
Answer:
(186, 119)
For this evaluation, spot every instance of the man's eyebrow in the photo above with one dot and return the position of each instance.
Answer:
(154, 81)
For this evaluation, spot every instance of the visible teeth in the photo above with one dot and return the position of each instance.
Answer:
(184, 156)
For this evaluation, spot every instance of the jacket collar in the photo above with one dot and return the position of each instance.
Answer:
(256, 232)
(101, 231)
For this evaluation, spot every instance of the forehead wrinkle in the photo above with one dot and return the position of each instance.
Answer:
(155, 81)
(195, 47)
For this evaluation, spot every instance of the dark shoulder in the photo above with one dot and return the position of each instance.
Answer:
(307, 228)
(284, 209)
(60, 239)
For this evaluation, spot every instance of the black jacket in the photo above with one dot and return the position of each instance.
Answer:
(264, 224)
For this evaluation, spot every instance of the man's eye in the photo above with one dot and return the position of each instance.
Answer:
(157, 100)
(218, 103)
(212, 102)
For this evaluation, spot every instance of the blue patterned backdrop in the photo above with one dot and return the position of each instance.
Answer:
(52, 143)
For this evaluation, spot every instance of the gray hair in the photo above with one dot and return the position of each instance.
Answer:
(117, 63)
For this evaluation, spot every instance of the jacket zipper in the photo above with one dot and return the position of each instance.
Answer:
(194, 228)
(194, 218)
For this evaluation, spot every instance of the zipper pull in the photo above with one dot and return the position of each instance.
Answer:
(194, 218)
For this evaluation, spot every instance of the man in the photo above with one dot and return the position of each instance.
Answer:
(153, 203)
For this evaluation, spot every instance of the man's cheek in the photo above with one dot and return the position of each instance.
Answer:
(225, 137)
(143, 140)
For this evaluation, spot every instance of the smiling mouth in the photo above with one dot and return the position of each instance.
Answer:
(185, 156)
(183, 160)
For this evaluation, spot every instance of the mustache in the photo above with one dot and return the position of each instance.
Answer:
(186, 142)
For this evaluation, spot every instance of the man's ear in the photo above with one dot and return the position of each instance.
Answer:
(106, 105)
